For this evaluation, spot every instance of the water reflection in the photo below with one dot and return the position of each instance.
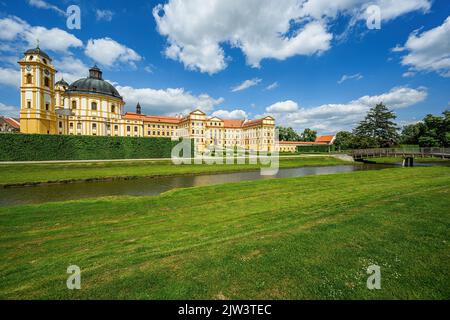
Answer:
(154, 186)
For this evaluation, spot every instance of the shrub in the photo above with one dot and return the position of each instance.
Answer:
(21, 147)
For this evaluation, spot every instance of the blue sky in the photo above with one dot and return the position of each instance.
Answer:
(302, 61)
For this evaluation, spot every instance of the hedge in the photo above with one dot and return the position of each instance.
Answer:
(324, 148)
(35, 147)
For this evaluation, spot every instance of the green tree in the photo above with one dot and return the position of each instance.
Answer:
(308, 135)
(411, 133)
(344, 140)
(378, 127)
(288, 134)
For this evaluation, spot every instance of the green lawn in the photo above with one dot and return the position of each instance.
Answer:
(29, 173)
(307, 238)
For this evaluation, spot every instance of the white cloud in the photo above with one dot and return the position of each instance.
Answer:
(41, 4)
(261, 29)
(104, 15)
(230, 115)
(11, 27)
(284, 106)
(345, 77)
(333, 117)
(272, 86)
(15, 30)
(246, 84)
(71, 69)
(108, 52)
(10, 77)
(429, 50)
(169, 101)
(9, 111)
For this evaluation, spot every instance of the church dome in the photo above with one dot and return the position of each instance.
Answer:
(38, 51)
(94, 84)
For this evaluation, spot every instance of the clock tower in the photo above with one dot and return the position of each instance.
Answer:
(37, 94)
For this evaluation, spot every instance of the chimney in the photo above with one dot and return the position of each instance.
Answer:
(138, 109)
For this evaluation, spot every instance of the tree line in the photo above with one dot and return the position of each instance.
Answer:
(379, 130)
(289, 134)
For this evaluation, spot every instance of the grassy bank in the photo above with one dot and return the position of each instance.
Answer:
(310, 237)
(32, 173)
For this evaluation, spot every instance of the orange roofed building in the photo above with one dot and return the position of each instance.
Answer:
(254, 134)
(291, 146)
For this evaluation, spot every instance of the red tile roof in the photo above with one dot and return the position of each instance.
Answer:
(325, 139)
(233, 123)
(12, 122)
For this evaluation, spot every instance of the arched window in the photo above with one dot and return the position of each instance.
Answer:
(94, 106)
(113, 109)
(29, 79)
(46, 82)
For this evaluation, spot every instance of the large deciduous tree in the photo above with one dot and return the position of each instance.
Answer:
(308, 135)
(287, 134)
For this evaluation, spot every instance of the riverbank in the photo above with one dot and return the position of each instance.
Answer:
(298, 238)
(16, 175)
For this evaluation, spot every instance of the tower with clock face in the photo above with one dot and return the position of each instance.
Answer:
(37, 94)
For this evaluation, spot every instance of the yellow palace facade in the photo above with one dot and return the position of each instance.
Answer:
(92, 106)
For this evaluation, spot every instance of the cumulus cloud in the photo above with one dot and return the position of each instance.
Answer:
(261, 29)
(104, 15)
(41, 4)
(168, 101)
(108, 52)
(230, 115)
(345, 77)
(430, 50)
(71, 69)
(10, 77)
(9, 111)
(333, 117)
(283, 106)
(14, 29)
(246, 84)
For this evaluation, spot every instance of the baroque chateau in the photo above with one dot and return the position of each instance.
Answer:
(92, 106)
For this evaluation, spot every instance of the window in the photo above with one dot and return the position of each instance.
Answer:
(94, 106)
(116, 127)
(113, 109)
(94, 126)
(135, 129)
(46, 82)
(29, 79)
(29, 104)
(71, 125)
(60, 125)
(128, 128)
(74, 104)
(79, 125)
(47, 106)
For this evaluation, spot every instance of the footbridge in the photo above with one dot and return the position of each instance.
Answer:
(408, 154)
